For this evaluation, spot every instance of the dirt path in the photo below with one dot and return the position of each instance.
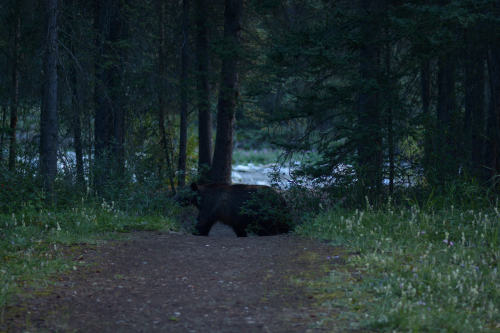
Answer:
(164, 282)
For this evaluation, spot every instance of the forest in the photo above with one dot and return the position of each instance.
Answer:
(377, 121)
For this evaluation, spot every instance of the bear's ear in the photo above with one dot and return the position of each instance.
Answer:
(194, 187)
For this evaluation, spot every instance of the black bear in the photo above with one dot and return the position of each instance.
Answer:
(256, 208)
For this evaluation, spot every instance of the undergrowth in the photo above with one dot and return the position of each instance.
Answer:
(31, 240)
(414, 269)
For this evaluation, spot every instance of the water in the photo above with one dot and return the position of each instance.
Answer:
(256, 174)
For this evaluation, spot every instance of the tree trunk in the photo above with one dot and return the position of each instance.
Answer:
(447, 155)
(76, 121)
(164, 142)
(77, 127)
(370, 138)
(109, 126)
(103, 123)
(474, 107)
(390, 119)
(49, 121)
(493, 162)
(228, 94)
(425, 80)
(2, 134)
(183, 94)
(204, 114)
(15, 91)
(118, 32)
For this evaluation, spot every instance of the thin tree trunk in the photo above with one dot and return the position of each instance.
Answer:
(15, 92)
(445, 108)
(425, 80)
(49, 121)
(370, 138)
(90, 145)
(118, 32)
(228, 94)
(161, 97)
(2, 133)
(204, 115)
(77, 128)
(474, 107)
(103, 114)
(494, 114)
(76, 122)
(183, 94)
(390, 123)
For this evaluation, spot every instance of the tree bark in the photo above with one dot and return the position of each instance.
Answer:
(425, 81)
(2, 134)
(474, 122)
(447, 155)
(204, 114)
(390, 120)
(493, 150)
(15, 91)
(118, 32)
(103, 115)
(183, 95)
(109, 126)
(77, 128)
(228, 94)
(370, 137)
(76, 121)
(49, 119)
(162, 107)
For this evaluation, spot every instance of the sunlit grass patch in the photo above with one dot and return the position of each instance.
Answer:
(421, 270)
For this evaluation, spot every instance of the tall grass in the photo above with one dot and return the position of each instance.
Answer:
(420, 269)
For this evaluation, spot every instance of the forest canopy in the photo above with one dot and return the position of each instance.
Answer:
(385, 95)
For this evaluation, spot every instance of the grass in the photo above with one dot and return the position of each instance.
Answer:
(413, 269)
(31, 240)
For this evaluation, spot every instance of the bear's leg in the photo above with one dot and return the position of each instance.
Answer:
(202, 228)
(240, 231)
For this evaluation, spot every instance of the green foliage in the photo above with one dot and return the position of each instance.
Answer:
(421, 269)
(267, 205)
(19, 189)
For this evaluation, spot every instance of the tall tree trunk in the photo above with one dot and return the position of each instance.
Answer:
(204, 115)
(390, 119)
(493, 162)
(109, 109)
(474, 106)
(15, 90)
(228, 94)
(162, 108)
(2, 133)
(49, 121)
(183, 94)
(447, 154)
(103, 115)
(425, 81)
(77, 127)
(370, 137)
(76, 121)
(118, 32)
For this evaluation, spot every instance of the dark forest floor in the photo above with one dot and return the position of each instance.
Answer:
(172, 282)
